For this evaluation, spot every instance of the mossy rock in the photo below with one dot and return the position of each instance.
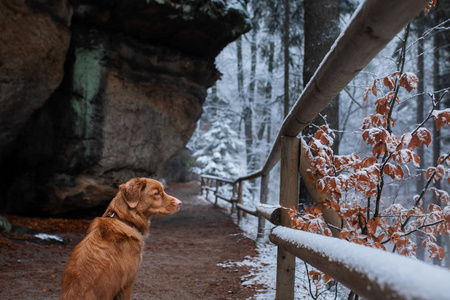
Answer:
(5, 224)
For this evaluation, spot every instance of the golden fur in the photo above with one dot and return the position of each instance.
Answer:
(105, 263)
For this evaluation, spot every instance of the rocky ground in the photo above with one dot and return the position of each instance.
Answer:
(182, 258)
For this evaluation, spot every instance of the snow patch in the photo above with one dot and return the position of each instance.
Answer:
(263, 267)
(436, 113)
(44, 236)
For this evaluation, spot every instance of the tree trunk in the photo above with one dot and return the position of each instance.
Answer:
(240, 73)
(269, 93)
(321, 29)
(246, 110)
(240, 78)
(436, 136)
(266, 109)
(445, 77)
(420, 181)
(248, 113)
(286, 55)
(254, 54)
(266, 126)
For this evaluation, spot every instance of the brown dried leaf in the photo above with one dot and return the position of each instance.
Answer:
(374, 88)
(409, 81)
(429, 172)
(442, 117)
(389, 82)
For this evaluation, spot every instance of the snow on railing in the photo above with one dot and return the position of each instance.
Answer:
(372, 273)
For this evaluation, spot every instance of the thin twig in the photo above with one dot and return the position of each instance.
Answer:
(435, 103)
(429, 31)
(352, 98)
(423, 191)
(309, 281)
(423, 226)
(387, 157)
(415, 230)
(336, 290)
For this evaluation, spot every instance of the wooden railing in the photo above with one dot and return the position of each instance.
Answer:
(375, 23)
(371, 273)
(212, 184)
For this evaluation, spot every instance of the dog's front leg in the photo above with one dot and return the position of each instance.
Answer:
(124, 294)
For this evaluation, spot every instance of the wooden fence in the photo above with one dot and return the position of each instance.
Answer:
(375, 23)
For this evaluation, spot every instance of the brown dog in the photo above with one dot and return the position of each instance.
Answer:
(105, 263)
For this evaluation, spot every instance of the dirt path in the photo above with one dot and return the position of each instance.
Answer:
(180, 260)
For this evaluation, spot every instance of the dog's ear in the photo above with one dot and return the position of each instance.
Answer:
(132, 190)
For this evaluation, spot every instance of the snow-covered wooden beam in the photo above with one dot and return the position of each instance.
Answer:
(373, 26)
(269, 212)
(372, 273)
(216, 178)
(248, 209)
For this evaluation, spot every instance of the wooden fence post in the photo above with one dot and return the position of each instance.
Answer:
(263, 199)
(239, 212)
(234, 197)
(208, 182)
(288, 197)
(202, 184)
(216, 192)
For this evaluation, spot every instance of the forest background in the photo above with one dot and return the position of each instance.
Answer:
(265, 71)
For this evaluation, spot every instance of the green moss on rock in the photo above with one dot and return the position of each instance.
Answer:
(86, 85)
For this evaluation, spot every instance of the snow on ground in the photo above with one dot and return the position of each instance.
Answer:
(44, 236)
(405, 273)
(264, 267)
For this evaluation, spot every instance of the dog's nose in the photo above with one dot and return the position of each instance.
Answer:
(178, 202)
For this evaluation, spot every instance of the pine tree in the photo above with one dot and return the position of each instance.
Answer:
(220, 156)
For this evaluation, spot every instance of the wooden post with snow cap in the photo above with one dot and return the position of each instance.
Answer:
(288, 197)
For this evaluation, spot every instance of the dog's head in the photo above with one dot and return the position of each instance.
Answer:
(147, 196)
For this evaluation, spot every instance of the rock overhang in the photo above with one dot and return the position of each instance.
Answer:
(201, 28)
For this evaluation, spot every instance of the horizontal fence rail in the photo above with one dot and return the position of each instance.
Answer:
(268, 212)
(373, 26)
(213, 183)
(372, 273)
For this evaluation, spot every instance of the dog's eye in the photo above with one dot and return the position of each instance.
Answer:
(157, 194)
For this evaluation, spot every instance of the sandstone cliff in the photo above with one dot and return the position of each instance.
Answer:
(93, 94)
